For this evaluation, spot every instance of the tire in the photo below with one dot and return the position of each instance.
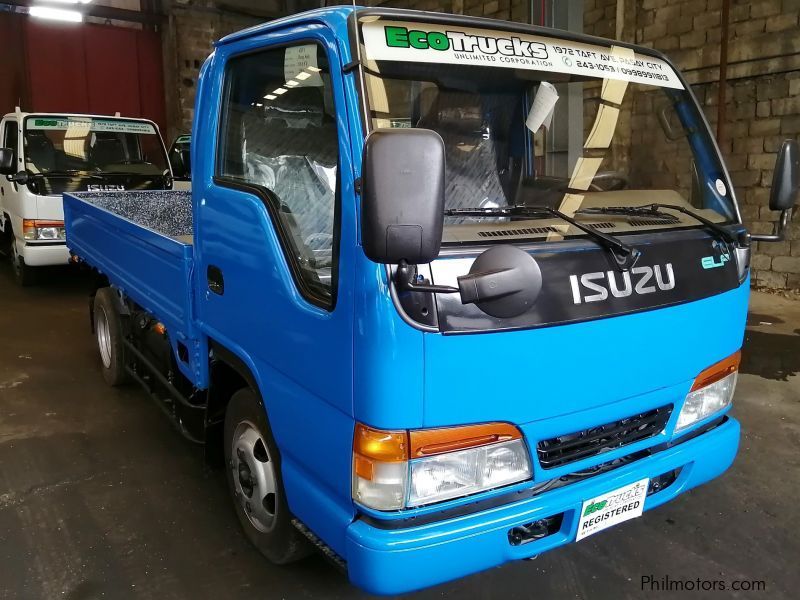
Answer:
(109, 335)
(253, 468)
(24, 275)
(6, 239)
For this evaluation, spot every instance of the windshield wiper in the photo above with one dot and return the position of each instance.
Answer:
(624, 254)
(66, 173)
(726, 235)
(653, 211)
(628, 211)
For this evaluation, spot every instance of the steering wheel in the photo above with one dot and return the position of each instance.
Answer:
(614, 181)
(318, 241)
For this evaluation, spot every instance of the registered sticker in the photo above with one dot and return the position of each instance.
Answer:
(721, 189)
(604, 511)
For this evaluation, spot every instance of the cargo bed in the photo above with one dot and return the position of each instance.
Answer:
(142, 242)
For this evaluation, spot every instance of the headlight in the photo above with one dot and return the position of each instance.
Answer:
(712, 391)
(398, 469)
(466, 472)
(36, 230)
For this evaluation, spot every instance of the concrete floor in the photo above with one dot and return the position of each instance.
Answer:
(99, 497)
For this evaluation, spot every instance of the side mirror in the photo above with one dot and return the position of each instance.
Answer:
(22, 178)
(7, 166)
(785, 190)
(186, 159)
(402, 212)
(786, 177)
(181, 163)
(671, 130)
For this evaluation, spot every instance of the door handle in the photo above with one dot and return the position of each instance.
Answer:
(216, 282)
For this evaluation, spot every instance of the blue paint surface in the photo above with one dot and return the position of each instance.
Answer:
(320, 371)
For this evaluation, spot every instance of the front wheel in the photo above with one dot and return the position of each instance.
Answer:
(254, 480)
(23, 274)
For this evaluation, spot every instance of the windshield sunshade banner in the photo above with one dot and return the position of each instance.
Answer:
(453, 44)
(105, 125)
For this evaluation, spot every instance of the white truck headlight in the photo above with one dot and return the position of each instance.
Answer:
(466, 472)
(712, 391)
(401, 469)
(37, 230)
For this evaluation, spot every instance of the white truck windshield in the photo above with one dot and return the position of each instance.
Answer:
(529, 120)
(66, 144)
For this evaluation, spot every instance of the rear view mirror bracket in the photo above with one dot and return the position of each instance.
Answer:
(407, 279)
(778, 229)
(21, 177)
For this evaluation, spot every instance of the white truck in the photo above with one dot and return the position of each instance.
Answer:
(43, 155)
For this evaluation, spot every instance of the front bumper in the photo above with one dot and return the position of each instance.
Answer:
(386, 561)
(44, 255)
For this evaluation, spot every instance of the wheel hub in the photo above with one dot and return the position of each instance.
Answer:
(254, 476)
(245, 476)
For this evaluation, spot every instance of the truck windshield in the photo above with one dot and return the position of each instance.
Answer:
(66, 144)
(538, 121)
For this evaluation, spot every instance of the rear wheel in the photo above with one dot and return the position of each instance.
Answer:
(255, 483)
(23, 274)
(109, 335)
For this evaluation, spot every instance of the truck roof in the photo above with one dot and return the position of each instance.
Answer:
(69, 114)
(332, 16)
(335, 17)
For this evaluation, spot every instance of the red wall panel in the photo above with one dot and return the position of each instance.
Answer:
(111, 71)
(151, 78)
(56, 67)
(91, 68)
(13, 75)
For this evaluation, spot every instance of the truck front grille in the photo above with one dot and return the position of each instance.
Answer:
(568, 448)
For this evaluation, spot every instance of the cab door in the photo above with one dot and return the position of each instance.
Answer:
(275, 239)
(9, 201)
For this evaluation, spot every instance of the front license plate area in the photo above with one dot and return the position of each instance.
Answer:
(602, 512)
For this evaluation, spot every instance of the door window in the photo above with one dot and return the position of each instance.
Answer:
(279, 138)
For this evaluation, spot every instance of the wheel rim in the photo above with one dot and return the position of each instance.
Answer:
(253, 476)
(103, 337)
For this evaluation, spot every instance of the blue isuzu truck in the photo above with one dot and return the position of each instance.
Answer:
(447, 292)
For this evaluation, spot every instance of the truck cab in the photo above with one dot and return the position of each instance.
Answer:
(49, 154)
(447, 292)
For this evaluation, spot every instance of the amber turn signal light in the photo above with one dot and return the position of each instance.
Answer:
(718, 371)
(428, 442)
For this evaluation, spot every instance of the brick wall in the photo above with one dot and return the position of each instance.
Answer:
(763, 94)
(192, 28)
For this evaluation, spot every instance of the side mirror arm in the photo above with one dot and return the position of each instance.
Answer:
(406, 281)
(778, 229)
(473, 288)
(21, 177)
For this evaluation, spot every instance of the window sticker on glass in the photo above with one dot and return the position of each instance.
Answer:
(300, 66)
(544, 104)
(105, 125)
(452, 44)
